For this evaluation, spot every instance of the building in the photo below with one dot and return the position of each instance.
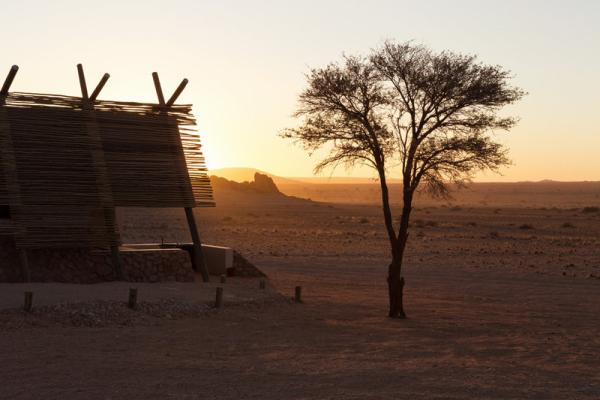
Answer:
(67, 162)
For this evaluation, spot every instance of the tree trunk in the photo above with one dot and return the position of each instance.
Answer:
(395, 291)
(395, 279)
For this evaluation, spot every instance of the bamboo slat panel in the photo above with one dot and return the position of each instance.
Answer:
(145, 160)
(3, 190)
(151, 157)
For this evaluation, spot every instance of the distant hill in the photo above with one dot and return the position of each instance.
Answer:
(546, 193)
(240, 174)
(340, 180)
(261, 184)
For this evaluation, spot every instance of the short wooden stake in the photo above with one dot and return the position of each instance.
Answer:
(223, 279)
(298, 294)
(28, 304)
(132, 302)
(219, 298)
(262, 284)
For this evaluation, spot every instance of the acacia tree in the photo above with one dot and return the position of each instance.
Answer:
(431, 115)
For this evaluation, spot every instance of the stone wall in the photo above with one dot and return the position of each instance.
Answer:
(157, 265)
(89, 266)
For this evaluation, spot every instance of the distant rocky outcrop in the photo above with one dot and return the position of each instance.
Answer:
(261, 184)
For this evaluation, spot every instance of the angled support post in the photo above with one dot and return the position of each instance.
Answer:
(99, 88)
(198, 259)
(106, 200)
(197, 253)
(9, 80)
(12, 181)
(177, 92)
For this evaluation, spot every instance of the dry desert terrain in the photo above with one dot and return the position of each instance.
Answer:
(503, 300)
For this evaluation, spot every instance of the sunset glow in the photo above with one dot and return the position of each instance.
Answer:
(246, 65)
(316, 199)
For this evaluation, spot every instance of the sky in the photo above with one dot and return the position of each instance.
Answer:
(246, 62)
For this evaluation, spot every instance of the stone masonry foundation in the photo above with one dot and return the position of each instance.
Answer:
(92, 266)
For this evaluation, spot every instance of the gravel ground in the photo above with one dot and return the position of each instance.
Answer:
(236, 290)
(105, 304)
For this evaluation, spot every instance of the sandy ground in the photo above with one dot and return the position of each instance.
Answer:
(503, 303)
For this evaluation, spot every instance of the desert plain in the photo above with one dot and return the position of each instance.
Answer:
(502, 297)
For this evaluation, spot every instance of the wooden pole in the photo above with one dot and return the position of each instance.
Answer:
(219, 298)
(28, 301)
(198, 260)
(298, 294)
(12, 181)
(99, 162)
(177, 92)
(197, 254)
(99, 88)
(82, 84)
(159, 92)
(9, 80)
(132, 300)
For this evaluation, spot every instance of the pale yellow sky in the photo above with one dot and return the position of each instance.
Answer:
(245, 61)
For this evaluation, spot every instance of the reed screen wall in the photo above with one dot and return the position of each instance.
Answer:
(65, 166)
